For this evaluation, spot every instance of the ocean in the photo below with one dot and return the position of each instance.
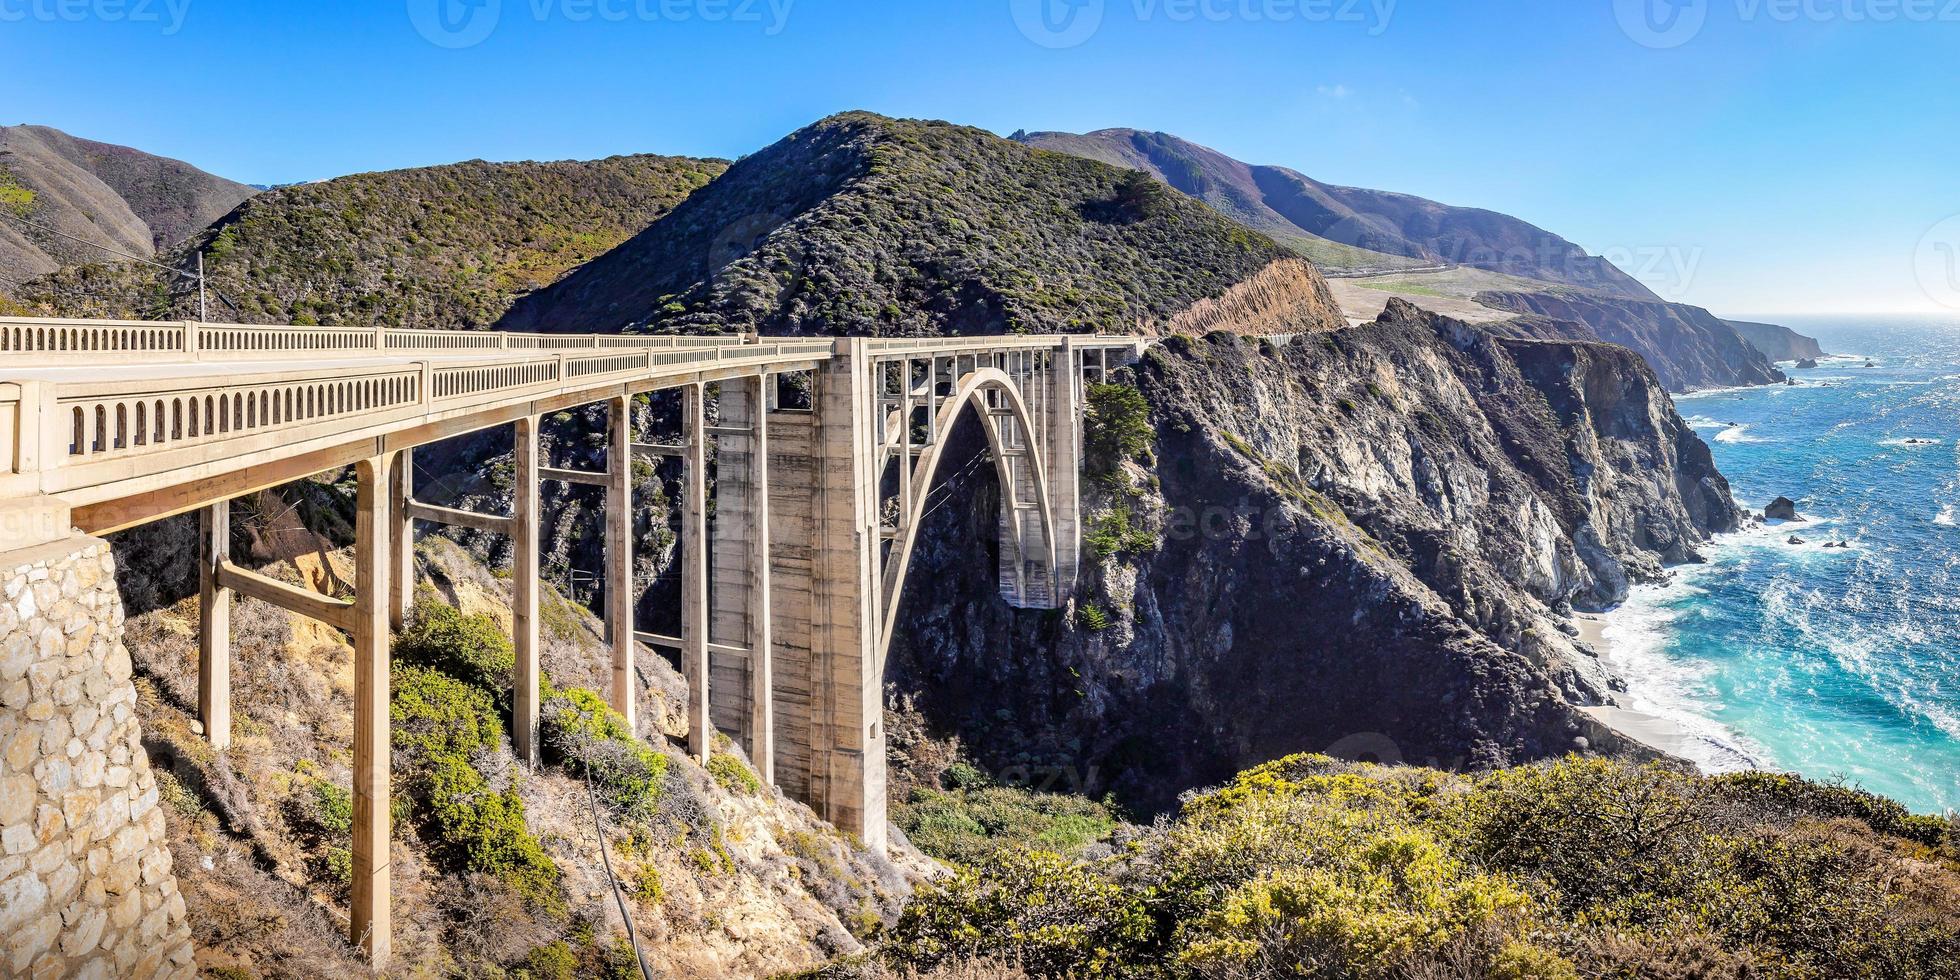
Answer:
(1833, 663)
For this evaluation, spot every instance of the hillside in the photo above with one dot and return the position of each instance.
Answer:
(1778, 343)
(497, 869)
(1367, 539)
(868, 225)
(448, 247)
(1349, 228)
(1688, 346)
(103, 193)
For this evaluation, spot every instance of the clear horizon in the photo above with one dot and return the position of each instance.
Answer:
(1776, 156)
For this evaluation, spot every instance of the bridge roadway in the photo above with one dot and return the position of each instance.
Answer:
(789, 594)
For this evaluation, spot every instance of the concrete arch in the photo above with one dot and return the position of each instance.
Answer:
(971, 390)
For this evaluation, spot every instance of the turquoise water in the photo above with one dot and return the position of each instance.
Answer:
(1828, 662)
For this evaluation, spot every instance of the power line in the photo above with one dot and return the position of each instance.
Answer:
(105, 248)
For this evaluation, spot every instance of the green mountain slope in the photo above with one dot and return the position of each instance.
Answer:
(863, 224)
(99, 192)
(1349, 228)
(448, 246)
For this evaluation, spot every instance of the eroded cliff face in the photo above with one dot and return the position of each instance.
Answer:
(1362, 541)
(1687, 346)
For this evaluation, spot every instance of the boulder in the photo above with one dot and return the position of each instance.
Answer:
(1807, 363)
(1795, 540)
(1782, 509)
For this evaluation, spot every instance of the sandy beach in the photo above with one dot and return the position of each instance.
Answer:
(1650, 730)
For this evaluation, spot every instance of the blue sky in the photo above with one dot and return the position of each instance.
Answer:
(1756, 156)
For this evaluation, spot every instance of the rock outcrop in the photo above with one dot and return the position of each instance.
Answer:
(1777, 342)
(1782, 509)
(1358, 542)
(1687, 346)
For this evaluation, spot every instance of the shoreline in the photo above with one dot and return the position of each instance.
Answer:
(1651, 730)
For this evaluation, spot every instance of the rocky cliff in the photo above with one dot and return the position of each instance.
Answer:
(1777, 342)
(1687, 346)
(1362, 541)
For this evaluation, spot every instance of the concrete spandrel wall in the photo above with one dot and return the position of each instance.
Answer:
(86, 888)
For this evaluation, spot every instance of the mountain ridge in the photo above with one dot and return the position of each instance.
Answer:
(112, 195)
(1293, 207)
(865, 224)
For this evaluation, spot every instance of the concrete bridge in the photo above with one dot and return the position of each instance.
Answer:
(789, 594)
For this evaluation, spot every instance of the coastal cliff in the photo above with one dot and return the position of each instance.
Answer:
(1361, 542)
(1687, 346)
(1778, 343)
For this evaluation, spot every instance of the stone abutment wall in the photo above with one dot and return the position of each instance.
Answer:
(86, 888)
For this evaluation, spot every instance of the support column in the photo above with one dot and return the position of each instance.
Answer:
(401, 541)
(694, 573)
(524, 593)
(762, 641)
(369, 923)
(739, 577)
(1064, 460)
(620, 593)
(214, 627)
(847, 737)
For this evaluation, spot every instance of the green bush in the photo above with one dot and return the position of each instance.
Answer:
(968, 826)
(442, 726)
(1308, 866)
(1091, 618)
(472, 649)
(733, 775)
(578, 729)
(1112, 533)
(1056, 916)
(1115, 428)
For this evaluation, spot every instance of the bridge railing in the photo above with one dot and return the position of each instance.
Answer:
(55, 425)
(47, 342)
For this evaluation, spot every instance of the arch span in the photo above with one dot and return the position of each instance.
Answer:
(996, 398)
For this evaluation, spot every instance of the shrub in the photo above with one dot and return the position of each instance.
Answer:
(578, 729)
(472, 649)
(1115, 428)
(1055, 916)
(733, 775)
(1092, 618)
(1112, 533)
(968, 826)
(441, 727)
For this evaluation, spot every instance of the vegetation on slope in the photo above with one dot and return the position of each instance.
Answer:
(496, 867)
(861, 224)
(1310, 867)
(440, 247)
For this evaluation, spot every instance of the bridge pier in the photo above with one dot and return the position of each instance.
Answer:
(370, 922)
(524, 574)
(741, 584)
(620, 593)
(214, 626)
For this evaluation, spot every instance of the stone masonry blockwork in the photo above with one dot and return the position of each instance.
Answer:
(86, 888)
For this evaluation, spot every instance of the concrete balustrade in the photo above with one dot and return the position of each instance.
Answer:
(790, 590)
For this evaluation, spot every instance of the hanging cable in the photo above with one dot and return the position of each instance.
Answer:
(619, 895)
(105, 248)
